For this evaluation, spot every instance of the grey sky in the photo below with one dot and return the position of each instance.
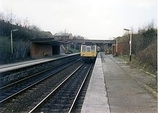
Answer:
(93, 19)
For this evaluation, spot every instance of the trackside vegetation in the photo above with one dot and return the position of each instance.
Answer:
(144, 49)
(21, 38)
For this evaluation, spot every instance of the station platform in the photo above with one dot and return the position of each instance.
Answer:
(17, 65)
(96, 100)
(114, 87)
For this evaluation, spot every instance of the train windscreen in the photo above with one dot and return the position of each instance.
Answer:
(93, 48)
(83, 48)
(88, 48)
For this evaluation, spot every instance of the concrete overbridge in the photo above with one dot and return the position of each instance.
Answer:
(103, 44)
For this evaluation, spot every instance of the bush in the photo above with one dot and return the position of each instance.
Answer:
(4, 49)
(144, 48)
(148, 58)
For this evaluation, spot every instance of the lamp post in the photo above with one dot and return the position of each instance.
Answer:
(11, 40)
(130, 42)
(116, 47)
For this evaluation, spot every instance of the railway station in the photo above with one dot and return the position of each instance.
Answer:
(78, 56)
(112, 88)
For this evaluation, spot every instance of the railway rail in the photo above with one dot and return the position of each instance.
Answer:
(22, 95)
(10, 90)
(12, 72)
(64, 96)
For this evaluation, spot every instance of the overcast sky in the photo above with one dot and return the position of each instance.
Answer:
(93, 19)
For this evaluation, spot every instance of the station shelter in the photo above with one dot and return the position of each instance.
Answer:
(44, 47)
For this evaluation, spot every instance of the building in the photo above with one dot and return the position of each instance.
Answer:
(43, 47)
(120, 47)
(63, 36)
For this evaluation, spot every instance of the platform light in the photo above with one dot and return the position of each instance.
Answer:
(130, 42)
(11, 40)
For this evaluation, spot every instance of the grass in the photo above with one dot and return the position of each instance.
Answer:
(148, 69)
(140, 65)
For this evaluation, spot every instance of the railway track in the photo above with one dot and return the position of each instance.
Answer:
(64, 96)
(12, 92)
(15, 88)
(24, 99)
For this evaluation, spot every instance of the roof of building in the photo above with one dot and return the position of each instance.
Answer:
(62, 34)
(48, 41)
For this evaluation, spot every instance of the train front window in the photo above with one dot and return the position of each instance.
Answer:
(93, 48)
(88, 48)
(83, 48)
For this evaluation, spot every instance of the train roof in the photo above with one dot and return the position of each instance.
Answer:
(88, 43)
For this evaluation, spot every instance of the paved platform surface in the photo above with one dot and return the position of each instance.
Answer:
(114, 88)
(16, 65)
(96, 97)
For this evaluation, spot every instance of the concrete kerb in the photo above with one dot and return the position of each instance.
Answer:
(149, 89)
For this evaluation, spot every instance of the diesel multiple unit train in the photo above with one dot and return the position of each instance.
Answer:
(88, 51)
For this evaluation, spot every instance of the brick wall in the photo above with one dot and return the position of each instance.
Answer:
(39, 51)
